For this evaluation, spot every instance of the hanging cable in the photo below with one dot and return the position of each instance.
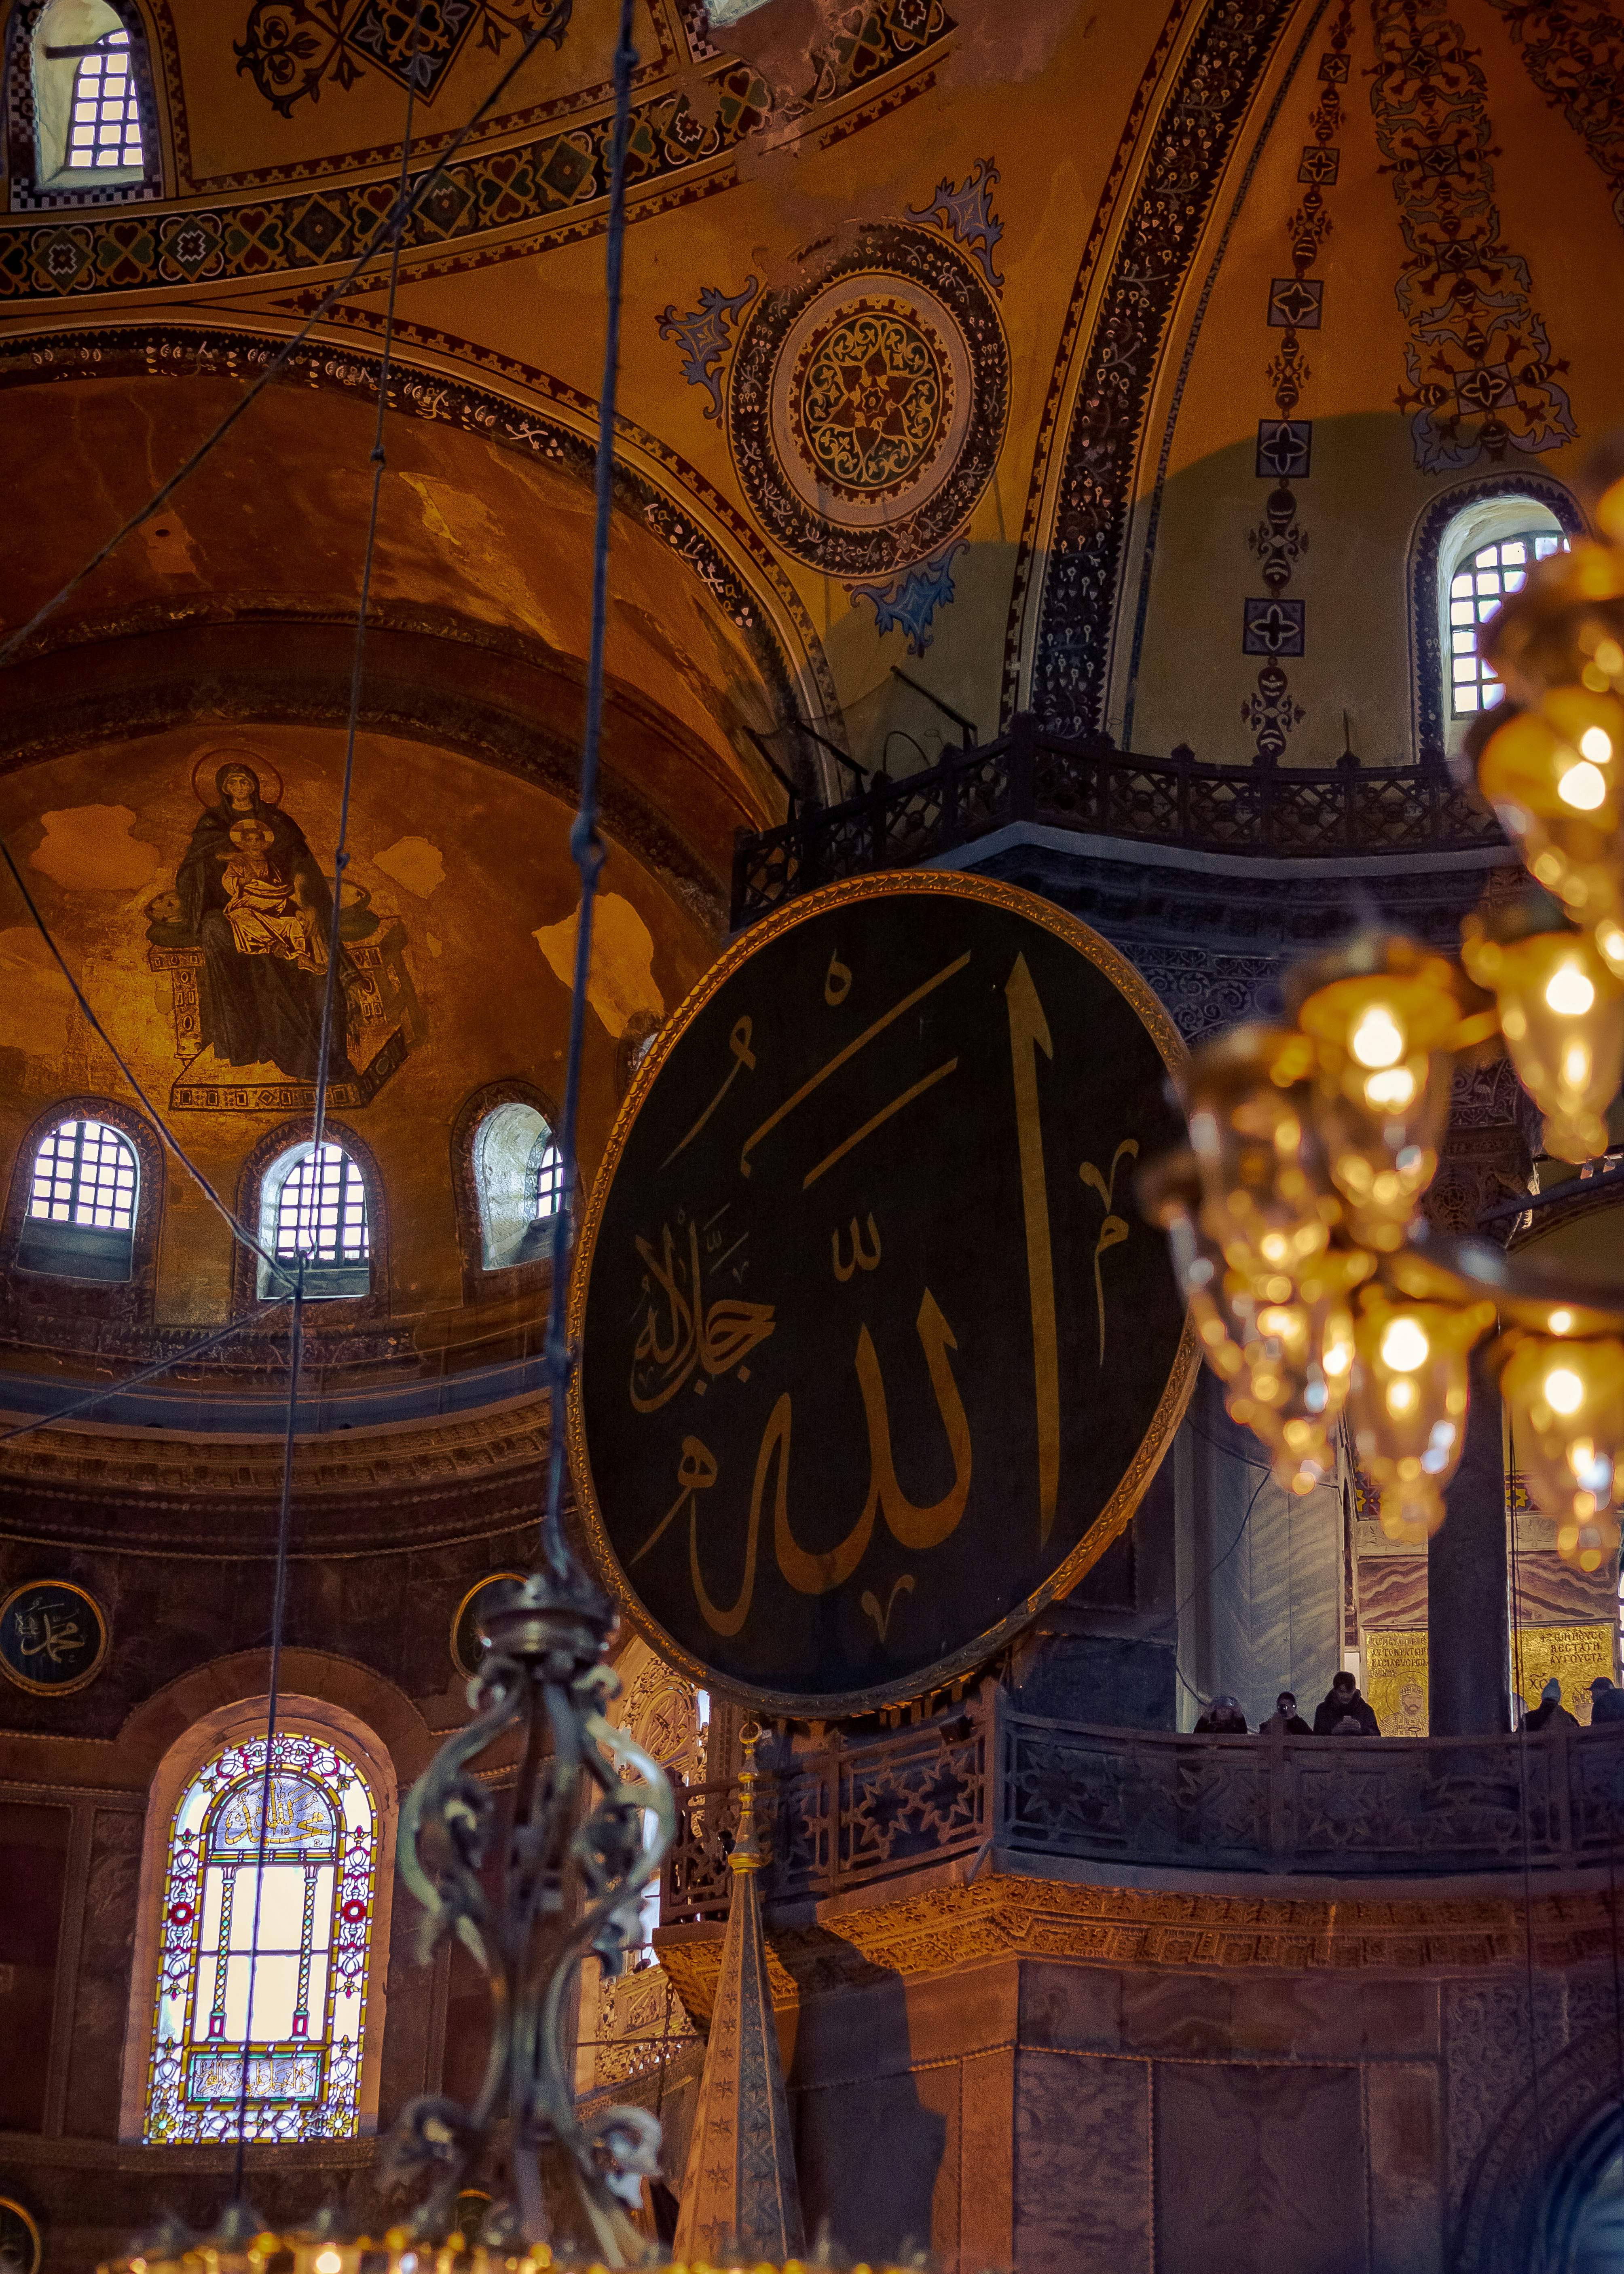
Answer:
(387, 237)
(296, 1343)
(585, 844)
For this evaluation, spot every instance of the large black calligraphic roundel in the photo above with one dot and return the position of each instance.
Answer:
(876, 1354)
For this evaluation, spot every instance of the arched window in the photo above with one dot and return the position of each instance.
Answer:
(519, 1177)
(82, 1200)
(1487, 550)
(314, 1206)
(89, 97)
(264, 1971)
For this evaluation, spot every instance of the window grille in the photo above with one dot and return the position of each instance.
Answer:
(85, 1173)
(105, 130)
(546, 1196)
(321, 1210)
(288, 2000)
(1476, 590)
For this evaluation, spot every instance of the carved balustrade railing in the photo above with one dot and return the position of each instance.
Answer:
(1032, 1791)
(1029, 775)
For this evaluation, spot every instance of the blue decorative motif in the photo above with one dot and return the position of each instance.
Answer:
(908, 603)
(968, 216)
(703, 336)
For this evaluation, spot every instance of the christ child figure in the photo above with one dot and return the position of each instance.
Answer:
(264, 916)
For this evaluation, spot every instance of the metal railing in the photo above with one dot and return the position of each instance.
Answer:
(1036, 1791)
(1031, 775)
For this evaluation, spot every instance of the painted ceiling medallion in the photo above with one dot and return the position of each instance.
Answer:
(869, 404)
(867, 407)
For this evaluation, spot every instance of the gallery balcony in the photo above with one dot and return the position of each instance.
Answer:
(994, 1791)
(1030, 777)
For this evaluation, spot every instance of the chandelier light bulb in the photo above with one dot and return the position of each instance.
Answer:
(1566, 1399)
(1549, 775)
(1408, 1400)
(1562, 1011)
(1582, 786)
(1378, 1041)
(1384, 1018)
(1568, 992)
(1564, 1391)
(1404, 1345)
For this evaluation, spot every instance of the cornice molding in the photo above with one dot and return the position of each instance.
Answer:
(1002, 1916)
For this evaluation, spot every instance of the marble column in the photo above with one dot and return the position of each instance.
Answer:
(1485, 1165)
(1468, 1642)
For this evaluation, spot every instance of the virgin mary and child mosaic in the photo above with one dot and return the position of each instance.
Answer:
(246, 935)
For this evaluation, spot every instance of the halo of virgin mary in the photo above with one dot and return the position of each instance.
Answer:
(261, 911)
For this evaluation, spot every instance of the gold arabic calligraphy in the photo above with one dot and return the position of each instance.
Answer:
(714, 1337)
(815, 1572)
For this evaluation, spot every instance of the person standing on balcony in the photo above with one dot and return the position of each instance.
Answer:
(1606, 1702)
(1285, 1720)
(1551, 1709)
(1224, 1718)
(1342, 1712)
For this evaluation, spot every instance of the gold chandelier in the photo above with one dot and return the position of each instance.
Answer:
(1295, 1216)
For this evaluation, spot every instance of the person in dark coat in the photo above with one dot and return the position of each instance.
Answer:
(1551, 1709)
(1224, 1718)
(1285, 1720)
(1606, 1702)
(1342, 1704)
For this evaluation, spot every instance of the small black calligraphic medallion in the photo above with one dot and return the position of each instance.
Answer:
(53, 1638)
(877, 1356)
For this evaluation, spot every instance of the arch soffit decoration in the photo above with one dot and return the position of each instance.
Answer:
(38, 1295)
(238, 1722)
(1426, 655)
(478, 1280)
(334, 1310)
(1538, 2130)
(1193, 99)
(512, 405)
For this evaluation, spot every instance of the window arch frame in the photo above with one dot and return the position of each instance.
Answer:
(30, 192)
(247, 1271)
(482, 1280)
(58, 1294)
(212, 1734)
(1429, 659)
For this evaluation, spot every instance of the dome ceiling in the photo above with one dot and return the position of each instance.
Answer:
(1112, 364)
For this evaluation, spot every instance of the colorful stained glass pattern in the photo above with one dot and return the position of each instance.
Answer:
(261, 1993)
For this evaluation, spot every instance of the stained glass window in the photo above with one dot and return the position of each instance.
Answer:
(262, 2016)
(1476, 590)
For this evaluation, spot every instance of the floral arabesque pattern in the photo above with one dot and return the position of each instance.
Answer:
(1574, 57)
(871, 400)
(1483, 379)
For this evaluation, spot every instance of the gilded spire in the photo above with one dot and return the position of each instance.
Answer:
(740, 2187)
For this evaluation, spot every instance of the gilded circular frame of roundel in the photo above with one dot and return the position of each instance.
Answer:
(19, 2234)
(877, 1356)
(53, 1638)
(866, 407)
